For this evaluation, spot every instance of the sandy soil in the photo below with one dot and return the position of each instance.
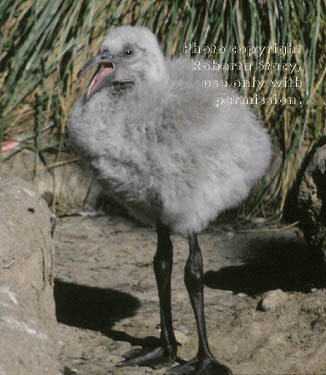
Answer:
(107, 302)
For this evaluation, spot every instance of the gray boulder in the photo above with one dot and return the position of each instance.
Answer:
(27, 309)
(311, 201)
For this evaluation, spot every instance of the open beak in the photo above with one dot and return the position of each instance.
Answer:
(104, 74)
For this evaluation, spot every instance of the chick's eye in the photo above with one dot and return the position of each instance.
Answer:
(129, 52)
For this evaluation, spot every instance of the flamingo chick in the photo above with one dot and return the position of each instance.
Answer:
(150, 131)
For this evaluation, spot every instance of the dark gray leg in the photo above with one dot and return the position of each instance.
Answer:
(204, 363)
(163, 271)
(165, 354)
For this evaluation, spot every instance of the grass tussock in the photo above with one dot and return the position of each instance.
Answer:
(43, 44)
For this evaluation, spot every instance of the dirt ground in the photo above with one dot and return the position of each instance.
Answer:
(107, 301)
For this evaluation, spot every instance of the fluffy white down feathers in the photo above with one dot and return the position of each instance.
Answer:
(160, 146)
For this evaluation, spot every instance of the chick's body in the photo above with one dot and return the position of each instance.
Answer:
(166, 152)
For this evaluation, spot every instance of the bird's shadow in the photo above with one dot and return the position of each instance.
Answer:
(274, 264)
(97, 309)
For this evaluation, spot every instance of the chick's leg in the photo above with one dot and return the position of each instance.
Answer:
(165, 354)
(204, 362)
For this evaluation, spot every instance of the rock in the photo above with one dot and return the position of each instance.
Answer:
(272, 300)
(311, 200)
(27, 311)
(181, 337)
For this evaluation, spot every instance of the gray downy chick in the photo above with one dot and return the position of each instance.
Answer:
(157, 143)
